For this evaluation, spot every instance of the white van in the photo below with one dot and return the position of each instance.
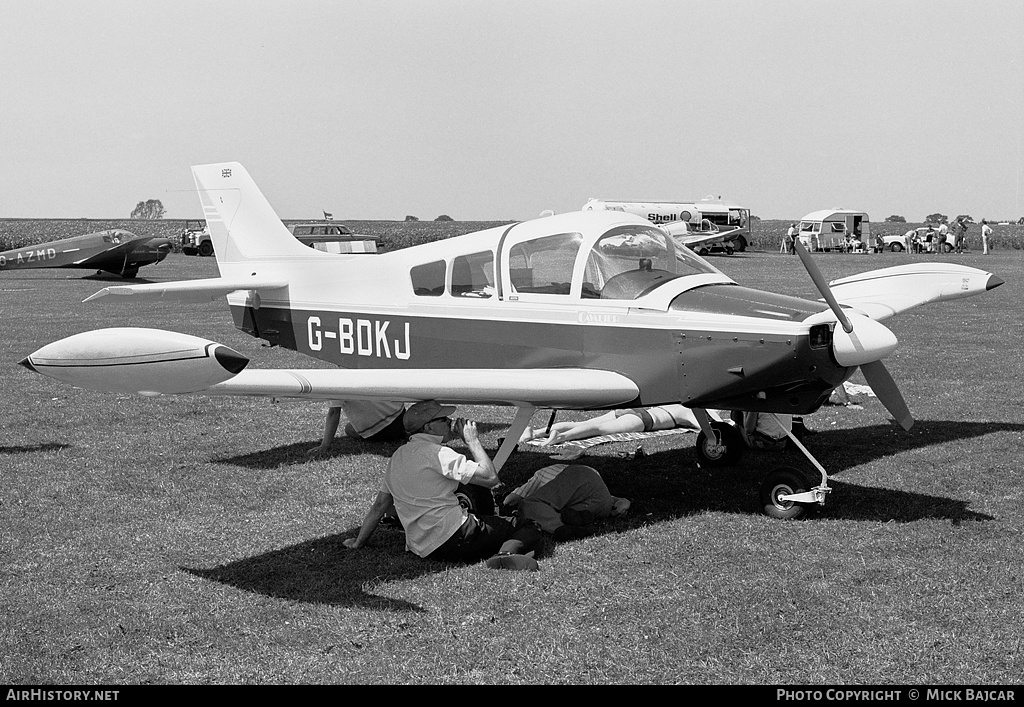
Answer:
(834, 230)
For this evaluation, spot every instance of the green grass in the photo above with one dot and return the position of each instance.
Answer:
(189, 540)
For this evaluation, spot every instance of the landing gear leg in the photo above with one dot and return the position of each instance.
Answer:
(785, 492)
(519, 423)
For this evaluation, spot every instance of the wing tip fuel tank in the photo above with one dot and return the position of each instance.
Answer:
(136, 360)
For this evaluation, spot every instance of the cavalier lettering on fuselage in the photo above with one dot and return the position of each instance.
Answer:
(359, 337)
(30, 256)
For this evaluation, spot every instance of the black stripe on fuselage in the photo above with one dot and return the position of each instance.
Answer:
(778, 372)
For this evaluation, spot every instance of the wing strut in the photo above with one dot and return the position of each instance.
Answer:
(519, 423)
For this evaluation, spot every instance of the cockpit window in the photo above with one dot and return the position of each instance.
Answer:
(544, 265)
(630, 261)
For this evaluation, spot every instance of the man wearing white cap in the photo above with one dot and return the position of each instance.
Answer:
(420, 484)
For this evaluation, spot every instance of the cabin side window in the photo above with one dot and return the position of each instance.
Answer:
(838, 227)
(302, 231)
(473, 275)
(428, 279)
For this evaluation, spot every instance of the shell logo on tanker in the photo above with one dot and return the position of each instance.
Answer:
(29, 256)
(360, 337)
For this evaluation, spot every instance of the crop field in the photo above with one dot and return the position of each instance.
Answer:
(190, 540)
(766, 234)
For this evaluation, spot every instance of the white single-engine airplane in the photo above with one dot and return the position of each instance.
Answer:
(583, 310)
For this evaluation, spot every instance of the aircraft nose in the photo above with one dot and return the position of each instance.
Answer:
(162, 246)
(869, 341)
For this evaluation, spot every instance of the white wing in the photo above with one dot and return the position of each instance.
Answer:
(880, 294)
(155, 362)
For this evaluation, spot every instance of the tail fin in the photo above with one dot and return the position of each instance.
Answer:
(242, 223)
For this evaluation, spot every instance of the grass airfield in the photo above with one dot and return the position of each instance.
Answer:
(190, 541)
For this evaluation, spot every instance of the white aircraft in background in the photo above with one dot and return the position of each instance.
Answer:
(585, 310)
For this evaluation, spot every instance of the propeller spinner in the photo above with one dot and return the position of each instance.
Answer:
(864, 343)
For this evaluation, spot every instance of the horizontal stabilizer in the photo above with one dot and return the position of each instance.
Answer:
(190, 290)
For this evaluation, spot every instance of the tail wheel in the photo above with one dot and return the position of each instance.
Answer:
(781, 482)
(723, 451)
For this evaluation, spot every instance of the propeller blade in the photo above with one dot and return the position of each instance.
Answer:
(888, 394)
(822, 285)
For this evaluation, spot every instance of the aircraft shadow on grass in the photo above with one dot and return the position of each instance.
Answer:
(735, 489)
(101, 276)
(323, 571)
(33, 448)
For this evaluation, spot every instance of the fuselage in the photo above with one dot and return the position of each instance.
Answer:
(608, 291)
(115, 251)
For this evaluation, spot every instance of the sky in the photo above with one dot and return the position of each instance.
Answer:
(480, 110)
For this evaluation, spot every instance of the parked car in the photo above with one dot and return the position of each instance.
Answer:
(195, 238)
(333, 238)
(898, 243)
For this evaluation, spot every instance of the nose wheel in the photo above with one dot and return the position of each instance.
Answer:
(779, 493)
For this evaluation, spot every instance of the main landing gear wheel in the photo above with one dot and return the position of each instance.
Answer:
(475, 499)
(781, 482)
(723, 451)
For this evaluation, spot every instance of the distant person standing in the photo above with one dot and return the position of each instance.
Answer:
(788, 245)
(959, 235)
(910, 239)
(986, 233)
(940, 238)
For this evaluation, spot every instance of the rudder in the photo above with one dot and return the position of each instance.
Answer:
(242, 223)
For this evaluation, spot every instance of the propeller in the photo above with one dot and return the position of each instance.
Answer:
(862, 348)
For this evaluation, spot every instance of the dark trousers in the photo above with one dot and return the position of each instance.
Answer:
(481, 537)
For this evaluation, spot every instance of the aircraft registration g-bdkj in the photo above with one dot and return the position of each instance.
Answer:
(114, 251)
(583, 310)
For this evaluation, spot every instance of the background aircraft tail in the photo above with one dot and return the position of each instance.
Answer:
(242, 223)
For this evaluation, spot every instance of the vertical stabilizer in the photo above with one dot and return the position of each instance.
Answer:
(242, 223)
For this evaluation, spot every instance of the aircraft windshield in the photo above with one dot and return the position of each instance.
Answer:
(630, 261)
